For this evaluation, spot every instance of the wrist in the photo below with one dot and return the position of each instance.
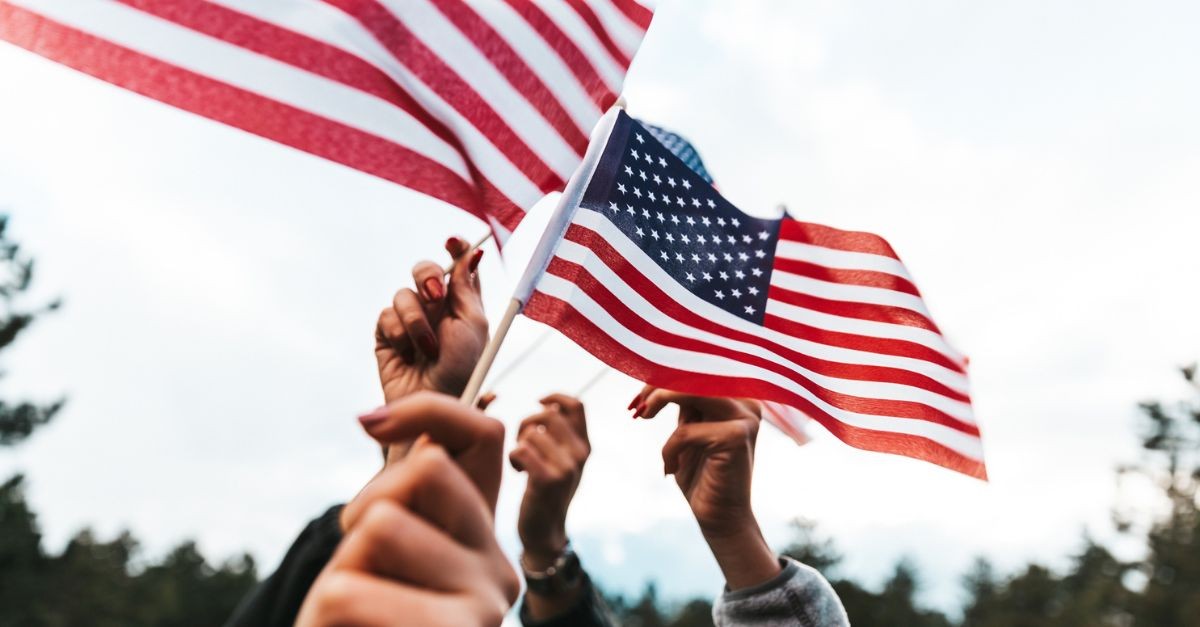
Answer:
(742, 554)
(543, 552)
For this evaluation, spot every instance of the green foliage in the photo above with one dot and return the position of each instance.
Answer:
(18, 420)
(1171, 440)
(648, 611)
(95, 583)
(91, 582)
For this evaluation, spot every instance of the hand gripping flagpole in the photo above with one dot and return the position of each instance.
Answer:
(567, 204)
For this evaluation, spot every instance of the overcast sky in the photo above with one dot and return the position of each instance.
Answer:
(1035, 163)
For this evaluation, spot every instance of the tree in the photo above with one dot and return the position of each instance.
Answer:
(1171, 443)
(92, 582)
(18, 420)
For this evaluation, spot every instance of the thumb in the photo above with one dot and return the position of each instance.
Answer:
(464, 298)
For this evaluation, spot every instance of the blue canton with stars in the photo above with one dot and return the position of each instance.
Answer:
(680, 221)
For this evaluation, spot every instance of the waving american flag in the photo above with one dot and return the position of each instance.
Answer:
(484, 104)
(662, 278)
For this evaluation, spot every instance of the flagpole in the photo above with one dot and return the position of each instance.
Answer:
(467, 255)
(571, 197)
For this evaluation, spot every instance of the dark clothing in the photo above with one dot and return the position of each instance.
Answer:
(277, 600)
(590, 611)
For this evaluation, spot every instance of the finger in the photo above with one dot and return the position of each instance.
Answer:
(483, 401)
(711, 436)
(572, 408)
(430, 484)
(448, 422)
(526, 459)
(691, 405)
(560, 430)
(556, 455)
(457, 247)
(427, 277)
(464, 299)
(394, 542)
(412, 315)
(474, 440)
(390, 334)
(347, 597)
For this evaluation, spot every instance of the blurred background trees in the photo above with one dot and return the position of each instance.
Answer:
(104, 583)
(91, 582)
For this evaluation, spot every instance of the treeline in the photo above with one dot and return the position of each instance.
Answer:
(107, 583)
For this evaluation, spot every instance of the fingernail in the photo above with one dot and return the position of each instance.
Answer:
(634, 402)
(475, 259)
(373, 417)
(428, 345)
(434, 289)
(641, 410)
(452, 243)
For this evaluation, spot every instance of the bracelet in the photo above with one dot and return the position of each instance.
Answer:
(561, 576)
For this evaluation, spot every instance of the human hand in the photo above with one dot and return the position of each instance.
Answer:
(419, 549)
(431, 338)
(552, 448)
(711, 454)
(474, 441)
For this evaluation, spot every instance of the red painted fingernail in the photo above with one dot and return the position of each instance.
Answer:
(475, 260)
(452, 243)
(641, 410)
(634, 402)
(434, 289)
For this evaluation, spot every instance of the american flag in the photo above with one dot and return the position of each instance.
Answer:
(484, 104)
(663, 279)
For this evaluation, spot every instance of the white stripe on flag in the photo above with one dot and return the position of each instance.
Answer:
(840, 259)
(850, 293)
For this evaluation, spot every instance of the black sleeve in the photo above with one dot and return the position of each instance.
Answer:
(276, 601)
(590, 611)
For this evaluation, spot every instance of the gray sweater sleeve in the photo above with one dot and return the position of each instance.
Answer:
(798, 596)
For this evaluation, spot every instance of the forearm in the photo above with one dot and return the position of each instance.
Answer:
(742, 554)
(545, 605)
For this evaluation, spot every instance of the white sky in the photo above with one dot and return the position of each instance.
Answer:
(1034, 162)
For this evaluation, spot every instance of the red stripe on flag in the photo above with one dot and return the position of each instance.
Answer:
(570, 53)
(429, 68)
(865, 278)
(669, 306)
(847, 309)
(593, 22)
(829, 237)
(865, 343)
(230, 105)
(636, 13)
(862, 405)
(513, 67)
(570, 322)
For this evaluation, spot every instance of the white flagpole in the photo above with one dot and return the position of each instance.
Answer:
(571, 197)
(467, 255)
